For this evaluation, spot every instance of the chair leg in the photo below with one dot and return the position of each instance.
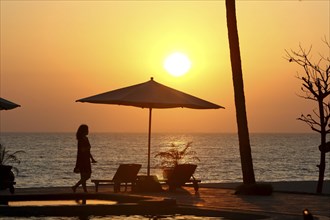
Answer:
(116, 187)
(196, 187)
(96, 186)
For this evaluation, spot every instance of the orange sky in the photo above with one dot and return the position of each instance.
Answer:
(55, 52)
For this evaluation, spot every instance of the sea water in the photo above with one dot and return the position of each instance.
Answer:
(49, 158)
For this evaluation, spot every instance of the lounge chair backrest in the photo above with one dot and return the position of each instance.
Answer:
(127, 172)
(182, 173)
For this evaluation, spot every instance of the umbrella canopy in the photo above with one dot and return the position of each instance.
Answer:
(6, 105)
(150, 95)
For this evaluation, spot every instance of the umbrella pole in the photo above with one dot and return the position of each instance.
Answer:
(149, 139)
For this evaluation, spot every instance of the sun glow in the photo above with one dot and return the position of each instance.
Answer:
(177, 64)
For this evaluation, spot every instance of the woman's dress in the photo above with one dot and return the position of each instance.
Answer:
(83, 156)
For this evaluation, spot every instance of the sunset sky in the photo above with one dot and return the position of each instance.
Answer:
(55, 52)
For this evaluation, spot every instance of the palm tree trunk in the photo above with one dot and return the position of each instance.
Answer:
(242, 125)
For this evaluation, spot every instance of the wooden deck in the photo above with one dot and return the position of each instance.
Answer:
(217, 197)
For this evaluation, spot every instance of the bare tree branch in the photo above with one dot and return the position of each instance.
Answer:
(315, 86)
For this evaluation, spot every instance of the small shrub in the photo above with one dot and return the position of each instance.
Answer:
(177, 154)
(10, 159)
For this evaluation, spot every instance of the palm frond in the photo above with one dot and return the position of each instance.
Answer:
(176, 155)
(7, 158)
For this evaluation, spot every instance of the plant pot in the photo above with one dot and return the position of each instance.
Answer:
(147, 184)
(7, 178)
(167, 172)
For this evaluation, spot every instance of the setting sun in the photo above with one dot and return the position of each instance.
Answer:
(177, 64)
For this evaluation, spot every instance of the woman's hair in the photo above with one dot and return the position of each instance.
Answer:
(82, 131)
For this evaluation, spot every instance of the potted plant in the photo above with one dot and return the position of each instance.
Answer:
(7, 168)
(175, 155)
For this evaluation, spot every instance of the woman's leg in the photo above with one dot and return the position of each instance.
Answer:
(83, 183)
(74, 188)
(84, 178)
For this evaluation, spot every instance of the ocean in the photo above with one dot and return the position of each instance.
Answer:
(49, 158)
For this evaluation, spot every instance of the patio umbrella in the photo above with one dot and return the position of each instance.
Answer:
(6, 105)
(150, 95)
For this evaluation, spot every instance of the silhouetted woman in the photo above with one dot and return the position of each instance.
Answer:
(84, 157)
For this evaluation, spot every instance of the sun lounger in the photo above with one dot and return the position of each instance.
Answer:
(126, 173)
(182, 176)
